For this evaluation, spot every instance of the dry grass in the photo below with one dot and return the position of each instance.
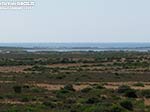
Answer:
(8, 101)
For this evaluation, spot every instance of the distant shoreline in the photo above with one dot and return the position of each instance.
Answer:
(66, 47)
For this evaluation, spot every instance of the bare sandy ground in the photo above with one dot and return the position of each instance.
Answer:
(52, 87)
(108, 85)
(115, 85)
(147, 102)
(17, 69)
(7, 82)
(70, 65)
(82, 85)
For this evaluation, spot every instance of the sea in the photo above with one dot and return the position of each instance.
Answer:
(61, 47)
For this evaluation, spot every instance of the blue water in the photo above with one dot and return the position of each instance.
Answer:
(80, 46)
(75, 45)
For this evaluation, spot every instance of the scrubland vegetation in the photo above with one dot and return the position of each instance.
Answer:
(75, 82)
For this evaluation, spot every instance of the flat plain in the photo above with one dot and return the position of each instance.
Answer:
(112, 81)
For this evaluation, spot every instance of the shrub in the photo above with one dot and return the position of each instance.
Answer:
(127, 104)
(92, 100)
(49, 104)
(62, 93)
(127, 91)
(25, 99)
(139, 84)
(1, 97)
(26, 86)
(131, 94)
(145, 93)
(86, 90)
(36, 90)
(60, 77)
(116, 108)
(123, 89)
(70, 100)
(101, 108)
(99, 86)
(69, 87)
(17, 89)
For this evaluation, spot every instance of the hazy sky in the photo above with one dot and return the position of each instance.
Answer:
(78, 21)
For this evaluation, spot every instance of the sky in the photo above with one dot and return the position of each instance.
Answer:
(78, 21)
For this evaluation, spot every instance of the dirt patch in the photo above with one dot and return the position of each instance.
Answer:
(147, 102)
(69, 65)
(80, 86)
(7, 81)
(17, 69)
(111, 87)
(52, 87)
(115, 85)
(8, 101)
(49, 86)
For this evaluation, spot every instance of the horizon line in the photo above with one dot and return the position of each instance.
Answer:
(70, 42)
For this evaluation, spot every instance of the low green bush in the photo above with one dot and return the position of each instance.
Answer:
(92, 100)
(131, 94)
(69, 87)
(49, 104)
(17, 89)
(116, 108)
(139, 84)
(86, 90)
(145, 93)
(127, 104)
(25, 99)
(123, 89)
